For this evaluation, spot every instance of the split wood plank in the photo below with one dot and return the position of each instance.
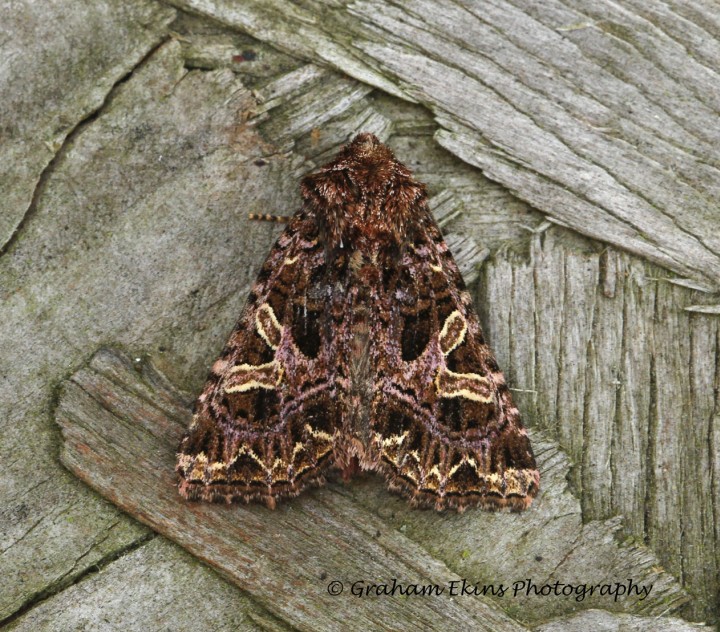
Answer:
(121, 425)
(121, 430)
(604, 117)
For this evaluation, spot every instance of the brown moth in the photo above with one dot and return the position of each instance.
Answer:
(359, 349)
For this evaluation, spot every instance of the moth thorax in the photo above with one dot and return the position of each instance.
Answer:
(375, 222)
(367, 266)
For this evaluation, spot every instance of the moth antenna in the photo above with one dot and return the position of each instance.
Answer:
(266, 217)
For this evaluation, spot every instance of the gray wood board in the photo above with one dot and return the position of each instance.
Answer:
(43, 97)
(119, 248)
(604, 117)
(600, 621)
(121, 422)
(155, 587)
(603, 356)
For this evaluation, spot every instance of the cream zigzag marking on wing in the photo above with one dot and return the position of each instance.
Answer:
(200, 459)
(251, 453)
(252, 384)
(318, 433)
(394, 439)
(433, 472)
(446, 329)
(470, 376)
(248, 386)
(463, 392)
(411, 475)
(273, 320)
(197, 465)
(250, 367)
(466, 459)
(321, 434)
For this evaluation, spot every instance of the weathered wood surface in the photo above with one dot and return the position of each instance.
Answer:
(138, 237)
(175, 591)
(599, 621)
(606, 359)
(603, 116)
(108, 255)
(44, 97)
(121, 424)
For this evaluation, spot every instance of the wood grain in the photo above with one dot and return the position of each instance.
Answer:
(604, 117)
(138, 238)
(120, 431)
(628, 382)
(121, 422)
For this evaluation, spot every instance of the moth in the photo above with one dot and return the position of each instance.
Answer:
(359, 349)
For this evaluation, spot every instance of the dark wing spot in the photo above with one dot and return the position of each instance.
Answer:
(266, 405)
(306, 330)
(416, 330)
(452, 413)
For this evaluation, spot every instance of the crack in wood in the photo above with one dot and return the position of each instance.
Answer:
(68, 142)
(65, 581)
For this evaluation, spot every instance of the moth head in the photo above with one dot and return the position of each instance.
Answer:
(364, 198)
(367, 152)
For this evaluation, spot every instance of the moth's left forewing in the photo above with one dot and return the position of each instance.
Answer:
(264, 425)
(447, 432)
